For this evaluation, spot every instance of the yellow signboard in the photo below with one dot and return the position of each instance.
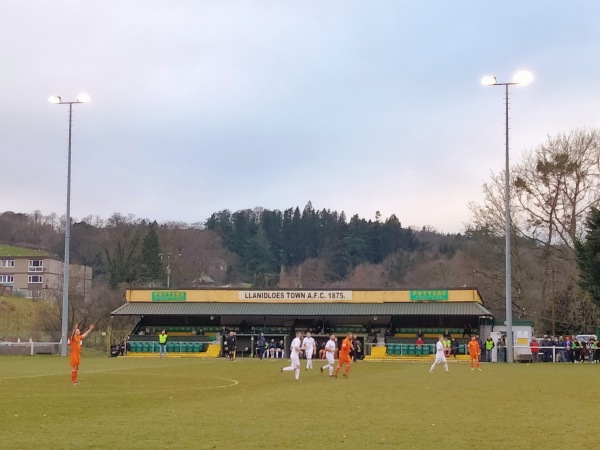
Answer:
(302, 295)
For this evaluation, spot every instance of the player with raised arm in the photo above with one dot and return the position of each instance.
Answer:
(440, 356)
(75, 355)
(295, 356)
(330, 348)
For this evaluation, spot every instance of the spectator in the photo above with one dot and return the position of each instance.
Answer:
(446, 343)
(454, 346)
(576, 350)
(489, 346)
(447, 335)
(419, 342)
(561, 350)
(569, 350)
(356, 348)
(162, 343)
(535, 349)
(585, 351)
(546, 349)
(467, 330)
(280, 350)
(322, 351)
(420, 334)
(480, 343)
(261, 342)
(501, 348)
(272, 348)
(231, 345)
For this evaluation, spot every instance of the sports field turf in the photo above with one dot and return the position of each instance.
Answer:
(123, 403)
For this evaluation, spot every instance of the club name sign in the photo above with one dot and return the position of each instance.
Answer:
(295, 295)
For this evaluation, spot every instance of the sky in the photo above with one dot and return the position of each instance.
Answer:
(356, 106)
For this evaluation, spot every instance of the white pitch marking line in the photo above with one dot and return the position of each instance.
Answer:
(118, 392)
(90, 371)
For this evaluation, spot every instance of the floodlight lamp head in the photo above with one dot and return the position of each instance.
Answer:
(55, 99)
(523, 77)
(83, 98)
(488, 80)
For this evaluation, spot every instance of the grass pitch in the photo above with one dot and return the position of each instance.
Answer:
(248, 404)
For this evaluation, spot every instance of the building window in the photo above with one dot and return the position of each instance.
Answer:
(36, 265)
(4, 263)
(34, 294)
(7, 279)
(35, 279)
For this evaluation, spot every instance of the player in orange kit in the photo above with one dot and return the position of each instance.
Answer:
(474, 352)
(75, 356)
(344, 356)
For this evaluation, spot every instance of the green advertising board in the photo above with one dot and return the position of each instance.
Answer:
(168, 296)
(429, 295)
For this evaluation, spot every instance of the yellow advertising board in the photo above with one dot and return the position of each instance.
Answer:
(303, 295)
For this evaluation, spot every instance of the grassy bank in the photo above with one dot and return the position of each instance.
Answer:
(20, 318)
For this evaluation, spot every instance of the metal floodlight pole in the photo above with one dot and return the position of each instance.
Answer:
(521, 78)
(82, 98)
(508, 266)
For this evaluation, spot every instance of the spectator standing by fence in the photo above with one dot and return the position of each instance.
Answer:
(261, 341)
(576, 350)
(447, 343)
(501, 348)
(489, 346)
(454, 346)
(75, 355)
(535, 349)
(546, 350)
(561, 349)
(231, 345)
(568, 349)
(480, 343)
(419, 343)
(162, 343)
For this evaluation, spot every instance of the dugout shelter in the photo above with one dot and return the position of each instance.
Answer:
(197, 318)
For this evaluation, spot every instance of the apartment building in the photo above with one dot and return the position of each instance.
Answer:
(35, 274)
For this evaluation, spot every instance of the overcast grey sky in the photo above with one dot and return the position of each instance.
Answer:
(356, 106)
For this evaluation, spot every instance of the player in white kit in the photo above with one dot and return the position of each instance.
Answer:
(309, 347)
(440, 357)
(330, 354)
(295, 356)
